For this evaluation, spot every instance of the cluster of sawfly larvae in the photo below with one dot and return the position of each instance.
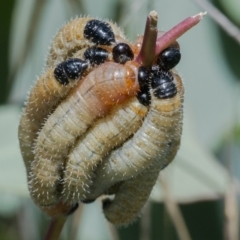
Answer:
(98, 123)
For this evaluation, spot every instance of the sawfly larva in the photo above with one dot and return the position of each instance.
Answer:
(131, 196)
(90, 149)
(158, 135)
(71, 119)
(104, 118)
(81, 33)
(48, 91)
(154, 146)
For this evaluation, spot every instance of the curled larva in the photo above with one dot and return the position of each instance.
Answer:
(112, 129)
(157, 150)
(102, 88)
(80, 33)
(89, 150)
(131, 196)
(159, 134)
(42, 100)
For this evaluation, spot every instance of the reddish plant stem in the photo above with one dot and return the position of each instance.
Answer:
(55, 228)
(229, 27)
(146, 54)
(170, 36)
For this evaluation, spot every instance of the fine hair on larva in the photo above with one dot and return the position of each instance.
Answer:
(136, 188)
(103, 119)
(90, 149)
(71, 119)
(43, 98)
(45, 101)
(70, 38)
(158, 135)
(131, 196)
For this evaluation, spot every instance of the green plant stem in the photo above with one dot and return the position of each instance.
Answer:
(55, 228)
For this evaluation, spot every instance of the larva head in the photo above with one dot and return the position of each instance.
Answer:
(143, 94)
(70, 69)
(163, 51)
(99, 32)
(169, 57)
(122, 53)
(95, 55)
(163, 85)
(144, 65)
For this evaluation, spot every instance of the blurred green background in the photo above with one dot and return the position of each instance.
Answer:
(202, 183)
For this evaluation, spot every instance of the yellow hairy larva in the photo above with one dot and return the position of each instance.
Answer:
(161, 135)
(90, 149)
(42, 100)
(71, 119)
(158, 135)
(104, 119)
(71, 38)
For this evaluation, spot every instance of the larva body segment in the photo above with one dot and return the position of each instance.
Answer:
(115, 130)
(70, 38)
(109, 84)
(131, 197)
(158, 136)
(133, 193)
(42, 100)
(89, 150)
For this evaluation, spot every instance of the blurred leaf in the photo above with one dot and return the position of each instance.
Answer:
(230, 48)
(19, 30)
(103, 10)
(5, 22)
(34, 62)
(9, 204)
(195, 174)
(232, 9)
(12, 172)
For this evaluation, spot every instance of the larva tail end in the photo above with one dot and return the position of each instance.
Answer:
(60, 209)
(119, 220)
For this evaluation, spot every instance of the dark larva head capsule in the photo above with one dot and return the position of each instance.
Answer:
(60, 74)
(99, 32)
(144, 77)
(122, 53)
(165, 90)
(96, 55)
(144, 98)
(163, 85)
(74, 67)
(169, 58)
(70, 69)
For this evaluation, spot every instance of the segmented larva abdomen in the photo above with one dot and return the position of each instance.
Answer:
(102, 88)
(70, 38)
(105, 134)
(131, 197)
(159, 135)
(165, 118)
(43, 98)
